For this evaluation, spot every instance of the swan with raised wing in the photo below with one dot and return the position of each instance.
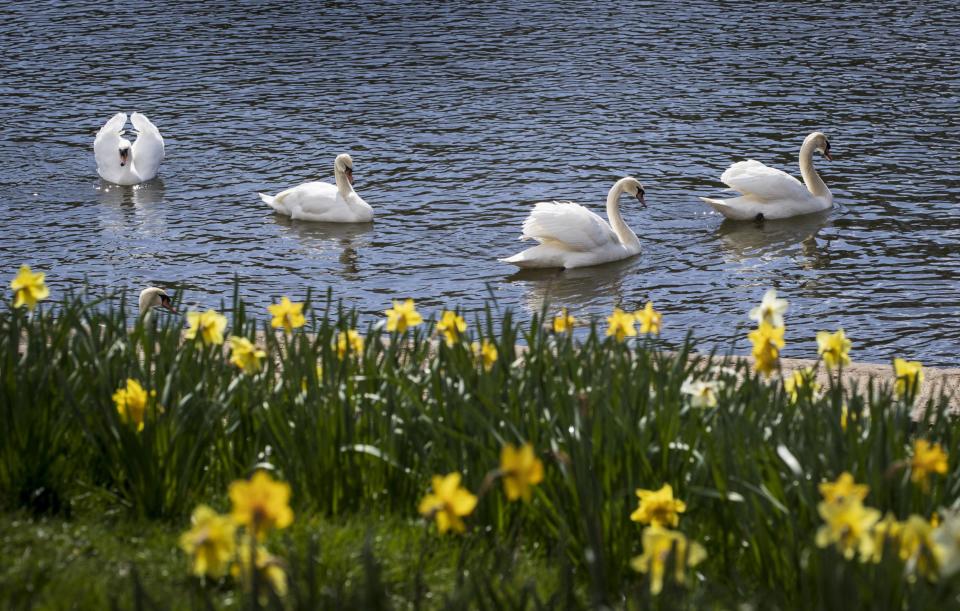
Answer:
(571, 236)
(322, 201)
(123, 163)
(771, 194)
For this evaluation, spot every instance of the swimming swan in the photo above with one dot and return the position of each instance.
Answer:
(771, 194)
(153, 297)
(321, 201)
(571, 236)
(120, 162)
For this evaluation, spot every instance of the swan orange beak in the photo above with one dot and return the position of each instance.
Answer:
(640, 199)
(167, 304)
(827, 155)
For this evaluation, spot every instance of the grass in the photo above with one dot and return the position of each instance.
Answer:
(359, 438)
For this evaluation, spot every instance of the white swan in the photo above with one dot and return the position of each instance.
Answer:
(321, 201)
(153, 297)
(771, 194)
(571, 236)
(120, 162)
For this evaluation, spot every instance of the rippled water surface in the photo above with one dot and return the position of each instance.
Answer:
(460, 116)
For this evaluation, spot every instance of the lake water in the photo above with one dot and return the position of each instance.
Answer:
(460, 116)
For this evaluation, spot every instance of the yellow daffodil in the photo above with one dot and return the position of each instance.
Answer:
(659, 544)
(848, 525)
(884, 532)
(245, 355)
(451, 326)
(801, 381)
(563, 322)
(448, 503)
(927, 458)
(486, 352)
(946, 540)
(208, 325)
(28, 288)
(702, 393)
(261, 503)
(620, 325)
(834, 348)
(917, 547)
(521, 470)
(845, 488)
(770, 310)
(287, 315)
(649, 319)
(269, 569)
(767, 341)
(348, 341)
(909, 377)
(131, 402)
(402, 316)
(658, 507)
(210, 542)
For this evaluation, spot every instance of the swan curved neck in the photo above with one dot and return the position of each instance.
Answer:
(625, 234)
(811, 179)
(343, 185)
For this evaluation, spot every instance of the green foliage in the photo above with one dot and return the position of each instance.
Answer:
(363, 434)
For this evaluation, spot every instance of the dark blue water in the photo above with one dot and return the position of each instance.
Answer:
(460, 116)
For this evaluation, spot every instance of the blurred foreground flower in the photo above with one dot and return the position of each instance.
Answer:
(131, 402)
(209, 325)
(801, 381)
(767, 341)
(702, 393)
(486, 352)
(261, 503)
(658, 507)
(521, 470)
(909, 378)
(402, 316)
(770, 310)
(348, 341)
(448, 503)
(28, 288)
(245, 355)
(834, 348)
(927, 458)
(210, 542)
(845, 488)
(620, 325)
(946, 538)
(287, 315)
(269, 569)
(451, 326)
(649, 319)
(563, 322)
(847, 524)
(659, 545)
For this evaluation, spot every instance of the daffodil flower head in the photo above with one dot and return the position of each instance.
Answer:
(917, 548)
(261, 503)
(661, 545)
(131, 402)
(843, 489)
(448, 503)
(451, 326)
(767, 341)
(486, 352)
(287, 315)
(348, 342)
(207, 325)
(770, 310)
(702, 393)
(885, 532)
(402, 316)
(927, 458)
(649, 319)
(801, 381)
(658, 507)
(834, 348)
(269, 569)
(210, 542)
(909, 378)
(521, 470)
(245, 355)
(620, 325)
(563, 322)
(848, 525)
(28, 288)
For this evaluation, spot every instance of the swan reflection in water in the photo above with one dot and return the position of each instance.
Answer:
(772, 239)
(320, 238)
(579, 290)
(132, 208)
(144, 194)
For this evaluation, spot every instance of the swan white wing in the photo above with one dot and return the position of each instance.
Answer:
(106, 146)
(763, 182)
(570, 224)
(315, 198)
(148, 149)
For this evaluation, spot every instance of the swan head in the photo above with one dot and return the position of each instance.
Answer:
(126, 152)
(153, 297)
(633, 187)
(344, 165)
(820, 144)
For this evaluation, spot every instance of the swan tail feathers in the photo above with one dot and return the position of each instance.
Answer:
(271, 201)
